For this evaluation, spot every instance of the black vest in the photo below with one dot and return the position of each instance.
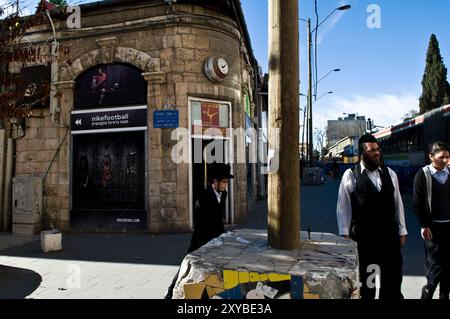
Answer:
(440, 201)
(373, 211)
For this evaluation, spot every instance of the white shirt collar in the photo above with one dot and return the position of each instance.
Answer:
(363, 168)
(433, 170)
(218, 195)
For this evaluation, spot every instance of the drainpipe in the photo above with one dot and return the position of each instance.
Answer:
(54, 77)
(7, 220)
(2, 174)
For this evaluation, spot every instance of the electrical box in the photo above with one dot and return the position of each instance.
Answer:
(27, 205)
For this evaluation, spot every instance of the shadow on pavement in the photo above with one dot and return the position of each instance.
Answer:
(17, 283)
(116, 248)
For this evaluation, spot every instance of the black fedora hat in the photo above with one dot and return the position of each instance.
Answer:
(220, 171)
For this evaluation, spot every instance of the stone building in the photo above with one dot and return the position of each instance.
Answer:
(352, 125)
(104, 150)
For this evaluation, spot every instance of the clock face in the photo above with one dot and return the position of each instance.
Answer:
(216, 69)
(223, 66)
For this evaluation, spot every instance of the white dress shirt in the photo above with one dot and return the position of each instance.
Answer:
(344, 205)
(218, 195)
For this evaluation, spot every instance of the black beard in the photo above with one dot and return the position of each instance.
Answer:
(370, 163)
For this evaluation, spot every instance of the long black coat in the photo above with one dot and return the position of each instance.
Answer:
(208, 218)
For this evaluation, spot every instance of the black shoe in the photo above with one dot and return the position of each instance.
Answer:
(443, 295)
(427, 292)
(168, 295)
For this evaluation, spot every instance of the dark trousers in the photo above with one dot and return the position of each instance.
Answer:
(437, 258)
(169, 293)
(389, 261)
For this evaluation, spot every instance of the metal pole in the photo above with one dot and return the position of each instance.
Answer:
(303, 134)
(310, 122)
(2, 173)
(7, 218)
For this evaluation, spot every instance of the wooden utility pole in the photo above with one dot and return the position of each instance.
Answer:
(284, 183)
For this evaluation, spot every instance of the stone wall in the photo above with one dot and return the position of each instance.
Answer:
(43, 151)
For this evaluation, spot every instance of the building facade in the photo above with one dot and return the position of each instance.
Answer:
(351, 125)
(153, 92)
(346, 150)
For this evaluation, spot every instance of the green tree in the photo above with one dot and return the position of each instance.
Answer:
(434, 83)
(447, 95)
(15, 54)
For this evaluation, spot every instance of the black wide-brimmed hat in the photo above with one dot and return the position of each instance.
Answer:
(367, 138)
(220, 171)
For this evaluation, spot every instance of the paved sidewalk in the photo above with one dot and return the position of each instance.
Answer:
(91, 266)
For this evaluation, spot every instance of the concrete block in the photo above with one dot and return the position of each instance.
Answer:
(51, 240)
(232, 268)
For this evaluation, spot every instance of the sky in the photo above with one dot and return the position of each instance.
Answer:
(382, 63)
(381, 66)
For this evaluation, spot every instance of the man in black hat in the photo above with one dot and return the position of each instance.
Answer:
(208, 212)
(209, 208)
(370, 210)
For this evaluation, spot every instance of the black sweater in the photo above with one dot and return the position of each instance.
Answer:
(421, 200)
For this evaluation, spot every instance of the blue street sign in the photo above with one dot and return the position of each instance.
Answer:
(165, 119)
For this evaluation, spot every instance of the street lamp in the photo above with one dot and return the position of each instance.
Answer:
(341, 8)
(310, 154)
(326, 93)
(323, 77)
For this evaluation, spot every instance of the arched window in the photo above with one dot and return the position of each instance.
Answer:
(109, 85)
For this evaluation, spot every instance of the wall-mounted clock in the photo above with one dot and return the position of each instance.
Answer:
(216, 69)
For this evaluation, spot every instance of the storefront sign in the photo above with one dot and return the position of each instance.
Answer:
(109, 120)
(165, 119)
(209, 115)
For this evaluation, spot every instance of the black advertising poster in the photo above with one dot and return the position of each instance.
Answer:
(108, 186)
(110, 85)
(109, 120)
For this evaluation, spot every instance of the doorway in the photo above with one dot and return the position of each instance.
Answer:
(212, 150)
(206, 148)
